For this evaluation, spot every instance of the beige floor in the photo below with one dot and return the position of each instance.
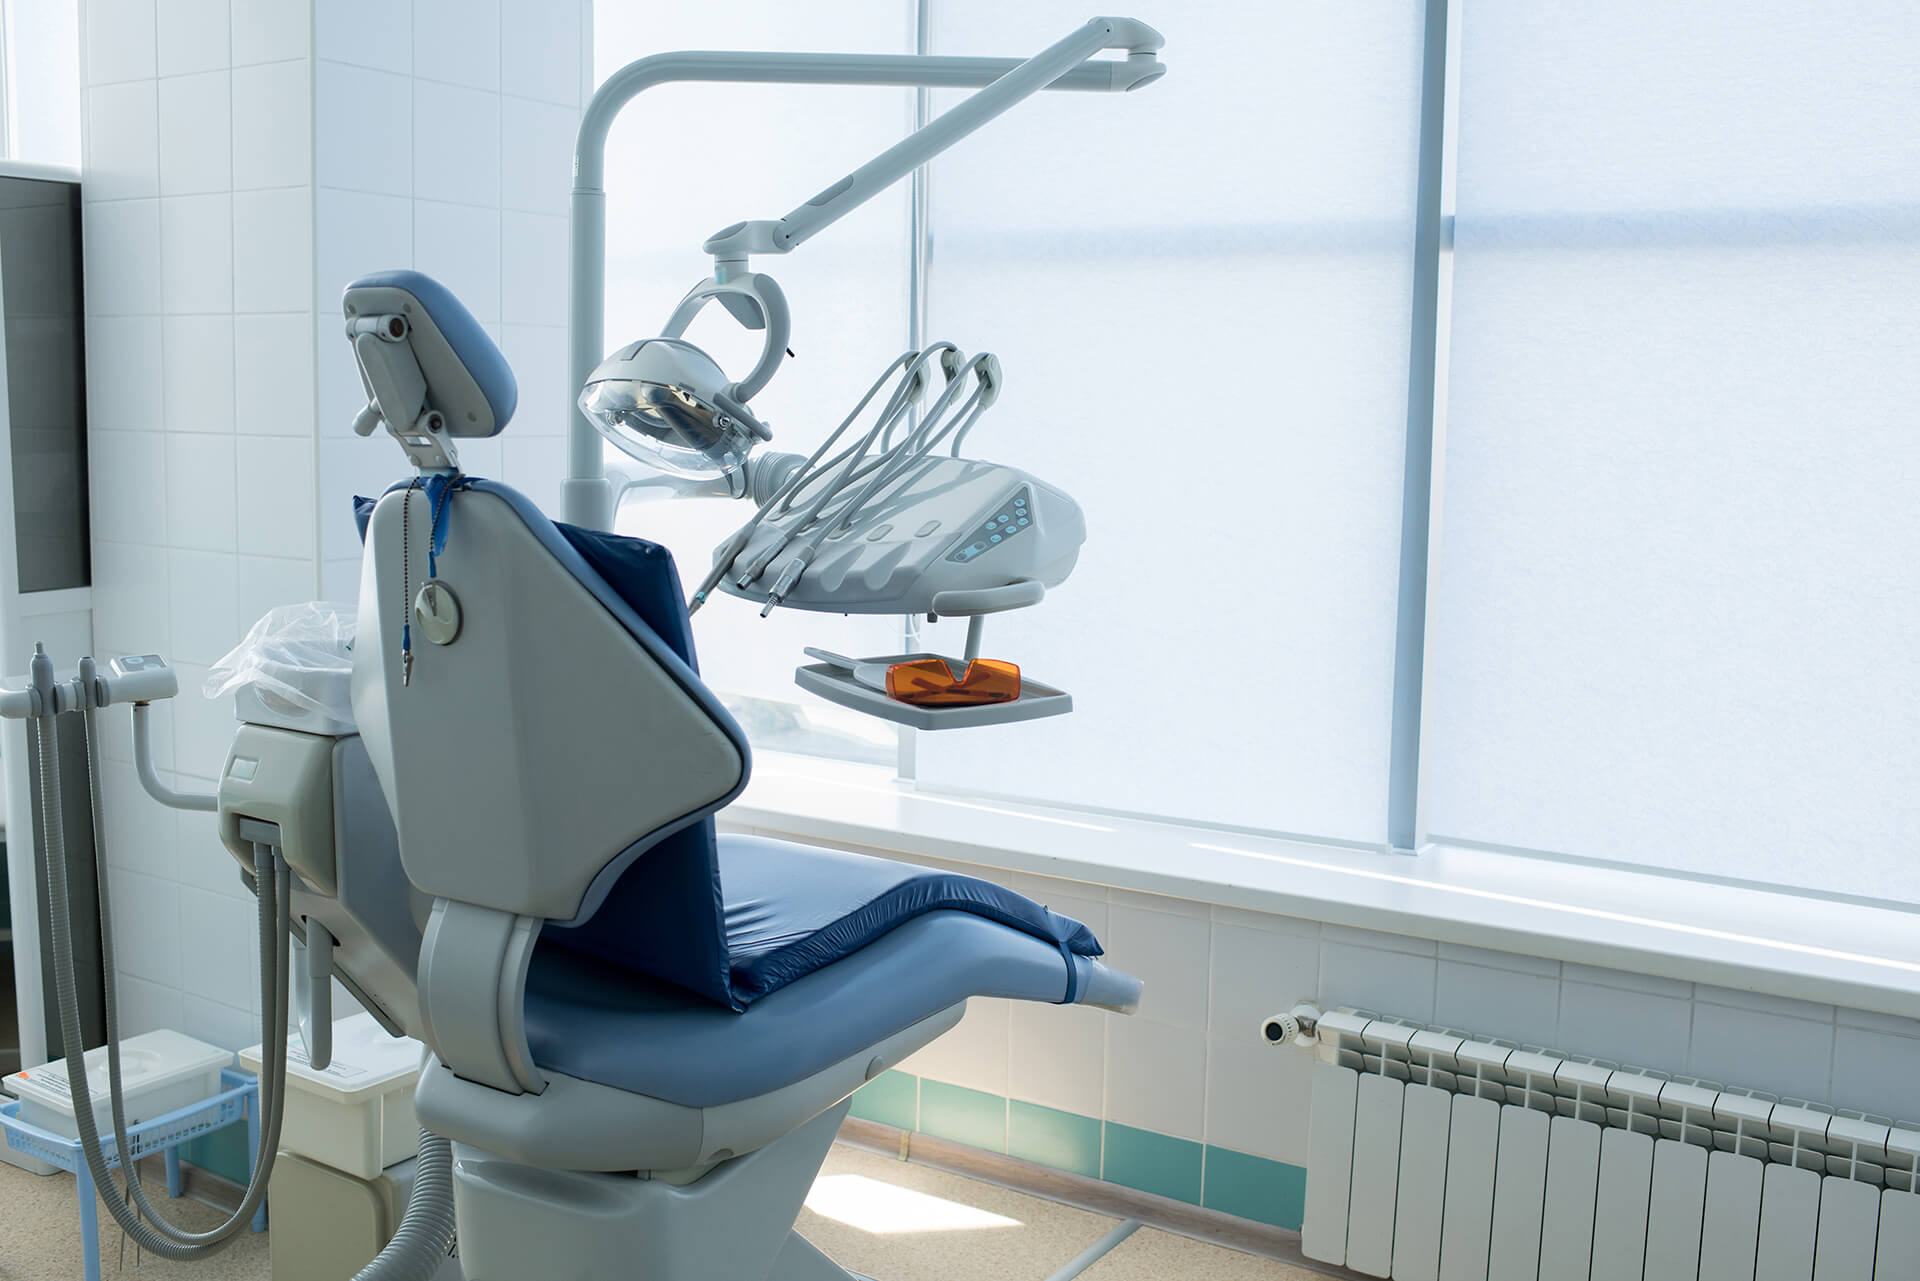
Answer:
(891, 1220)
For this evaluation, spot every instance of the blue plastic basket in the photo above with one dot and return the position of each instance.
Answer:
(238, 1101)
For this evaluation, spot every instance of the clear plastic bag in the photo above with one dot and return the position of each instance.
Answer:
(297, 660)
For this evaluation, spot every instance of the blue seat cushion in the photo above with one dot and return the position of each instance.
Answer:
(792, 909)
(596, 1020)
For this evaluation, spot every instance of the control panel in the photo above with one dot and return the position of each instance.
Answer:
(1014, 518)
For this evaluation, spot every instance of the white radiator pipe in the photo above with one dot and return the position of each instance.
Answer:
(1298, 1026)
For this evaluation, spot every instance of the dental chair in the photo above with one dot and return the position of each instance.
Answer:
(643, 1035)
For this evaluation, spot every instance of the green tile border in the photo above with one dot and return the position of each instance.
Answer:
(1253, 1187)
(1049, 1137)
(972, 1117)
(1249, 1187)
(892, 1098)
(1150, 1162)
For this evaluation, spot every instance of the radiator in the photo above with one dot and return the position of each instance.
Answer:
(1437, 1157)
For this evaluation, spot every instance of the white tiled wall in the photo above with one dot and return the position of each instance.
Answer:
(1191, 1063)
(243, 160)
(445, 143)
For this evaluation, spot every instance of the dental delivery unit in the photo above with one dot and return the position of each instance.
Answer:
(640, 1036)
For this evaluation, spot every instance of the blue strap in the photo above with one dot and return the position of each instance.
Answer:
(1073, 974)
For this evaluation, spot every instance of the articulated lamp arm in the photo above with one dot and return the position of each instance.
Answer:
(731, 246)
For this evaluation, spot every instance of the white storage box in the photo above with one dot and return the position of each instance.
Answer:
(160, 1072)
(357, 1116)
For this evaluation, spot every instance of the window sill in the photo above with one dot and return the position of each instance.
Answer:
(1777, 943)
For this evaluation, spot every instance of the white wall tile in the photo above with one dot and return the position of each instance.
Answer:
(1635, 1028)
(355, 233)
(218, 948)
(540, 49)
(272, 126)
(368, 33)
(271, 30)
(139, 830)
(1259, 1098)
(266, 582)
(350, 467)
(276, 496)
(456, 144)
(974, 1054)
(146, 925)
(273, 374)
(1503, 1004)
(1057, 1057)
(1385, 982)
(147, 1007)
(119, 40)
(536, 155)
(272, 250)
(129, 600)
(196, 253)
(1224, 915)
(204, 590)
(205, 863)
(202, 728)
(1878, 1073)
(1755, 1050)
(1257, 972)
(1156, 1077)
(200, 493)
(217, 1024)
(536, 467)
(363, 137)
(1117, 896)
(1539, 965)
(194, 35)
(1657, 984)
(122, 151)
(1170, 954)
(533, 271)
(129, 494)
(340, 579)
(123, 372)
(487, 458)
(538, 354)
(196, 133)
(459, 245)
(457, 41)
(197, 379)
(1785, 1006)
(122, 247)
(1378, 941)
(1867, 1020)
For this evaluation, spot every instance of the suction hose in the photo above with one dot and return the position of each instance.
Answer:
(161, 1237)
(425, 1235)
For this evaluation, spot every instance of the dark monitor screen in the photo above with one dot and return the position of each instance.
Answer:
(40, 292)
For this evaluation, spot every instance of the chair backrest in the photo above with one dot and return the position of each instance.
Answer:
(557, 737)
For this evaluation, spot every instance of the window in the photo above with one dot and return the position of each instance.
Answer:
(1675, 605)
(40, 76)
(1671, 605)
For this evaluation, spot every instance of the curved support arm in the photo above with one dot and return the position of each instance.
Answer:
(587, 499)
(202, 802)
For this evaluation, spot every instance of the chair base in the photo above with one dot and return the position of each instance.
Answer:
(732, 1223)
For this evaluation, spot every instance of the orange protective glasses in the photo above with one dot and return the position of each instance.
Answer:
(929, 682)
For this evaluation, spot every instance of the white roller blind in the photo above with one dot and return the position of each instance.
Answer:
(1200, 293)
(1675, 607)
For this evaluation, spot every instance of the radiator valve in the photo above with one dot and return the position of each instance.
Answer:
(1298, 1026)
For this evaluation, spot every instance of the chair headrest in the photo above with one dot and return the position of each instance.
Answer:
(467, 379)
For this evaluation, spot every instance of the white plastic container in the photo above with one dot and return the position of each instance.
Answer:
(160, 1072)
(357, 1116)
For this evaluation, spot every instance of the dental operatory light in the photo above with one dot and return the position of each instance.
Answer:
(888, 517)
